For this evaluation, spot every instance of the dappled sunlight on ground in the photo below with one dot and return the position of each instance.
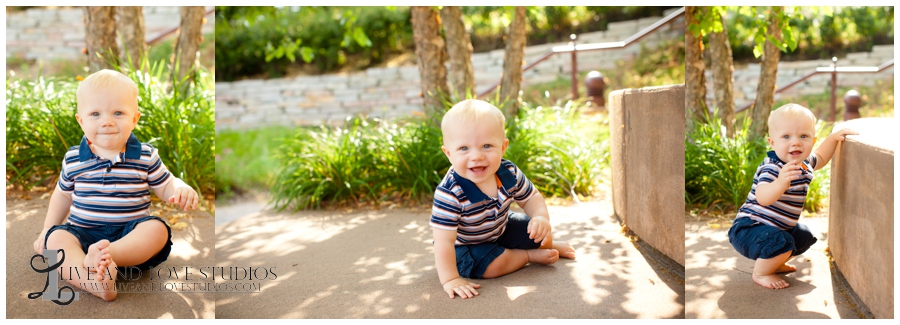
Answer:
(718, 281)
(380, 263)
(192, 247)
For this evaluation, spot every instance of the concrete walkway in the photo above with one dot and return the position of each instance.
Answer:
(380, 264)
(718, 283)
(192, 247)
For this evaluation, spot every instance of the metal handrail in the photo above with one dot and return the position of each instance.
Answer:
(574, 48)
(169, 31)
(833, 70)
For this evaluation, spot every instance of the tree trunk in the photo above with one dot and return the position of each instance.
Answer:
(130, 22)
(723, 75)
(459, 50)
(100, 37)
(189, 39)
(695, 80)
(512, 65)
(768, 75)
(431, 57)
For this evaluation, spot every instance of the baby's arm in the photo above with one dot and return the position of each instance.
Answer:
(769, 192)
(60, 203)
(539, 226)
(176, 191)
(445, 260)
(826, 149)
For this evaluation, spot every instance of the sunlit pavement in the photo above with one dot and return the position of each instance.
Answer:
(163, 295)
(718, 283)
(380, 264)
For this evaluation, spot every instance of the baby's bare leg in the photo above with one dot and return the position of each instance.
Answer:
(764, 271)
(76, 273)
(565, 249)
(514, 259)
(142, 243)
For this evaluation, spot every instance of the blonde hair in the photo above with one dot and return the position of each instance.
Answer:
(104, 79)
(791, 111)
(474, 111)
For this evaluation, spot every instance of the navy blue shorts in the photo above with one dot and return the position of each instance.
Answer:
(755, 240)
(89, 236)
(473, 260)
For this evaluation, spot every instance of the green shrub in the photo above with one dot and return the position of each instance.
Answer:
(373, 160)
(719, 170)
(41, 126)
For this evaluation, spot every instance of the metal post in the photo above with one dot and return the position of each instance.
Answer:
(574, 68)
(831, 117)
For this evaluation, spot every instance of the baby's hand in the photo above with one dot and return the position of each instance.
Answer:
(790, 171)
(841, 135)
(461, 287)
(185, 197)
(538, 228)
(39, 243)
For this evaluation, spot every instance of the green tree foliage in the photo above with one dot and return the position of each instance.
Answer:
(270, 41)
(811, 32)
(252, 41)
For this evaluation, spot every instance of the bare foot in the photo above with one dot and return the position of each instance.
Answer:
(98, 259)
(565, 250)
(785, 268)
(543, 256)
(770, 281)
(106, 290)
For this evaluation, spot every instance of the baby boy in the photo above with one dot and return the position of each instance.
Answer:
(104, 191)
(475, 234)
(766, 228)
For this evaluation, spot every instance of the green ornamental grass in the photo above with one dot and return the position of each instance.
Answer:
(374, 160)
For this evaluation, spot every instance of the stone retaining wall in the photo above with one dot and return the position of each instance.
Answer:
(56, 34)
(647, 164)
(393, 92)
(746, 77)
(861, 212)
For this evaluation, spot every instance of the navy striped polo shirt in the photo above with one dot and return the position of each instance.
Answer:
(785, 212)
(111, 192)
(477, 218)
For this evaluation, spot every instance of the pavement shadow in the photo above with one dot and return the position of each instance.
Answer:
(380, 264)
(719, 284)
(193, 246)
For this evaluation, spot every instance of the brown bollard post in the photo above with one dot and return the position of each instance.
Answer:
(832, 117)
(852, 103)
(574, 68)
(596, 86)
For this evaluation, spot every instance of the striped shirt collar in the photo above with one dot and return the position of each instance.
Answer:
(475, 194)
(132, 149)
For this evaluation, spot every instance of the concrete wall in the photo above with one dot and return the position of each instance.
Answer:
(395, 91)
(55, 34)
(746, 77)
(647, 128)
(861, 213)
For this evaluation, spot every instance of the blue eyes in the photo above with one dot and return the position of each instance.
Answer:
(804, 136)
(117, 113)
(466, 148)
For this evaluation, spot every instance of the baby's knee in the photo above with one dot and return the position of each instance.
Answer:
(60, 239)
(154, 227)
